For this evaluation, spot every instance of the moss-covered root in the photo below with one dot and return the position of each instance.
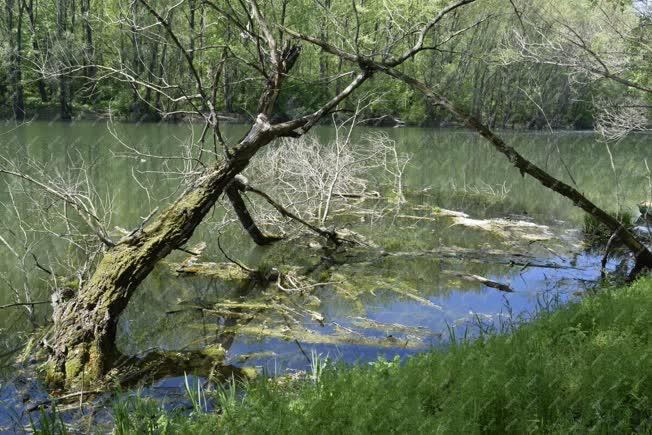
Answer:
(84, 324)
(208, 363)
(82, 369)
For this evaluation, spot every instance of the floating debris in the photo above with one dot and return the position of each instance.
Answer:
(341, 335)
(507, 228)
(393, 328)
(228, 272)
(480, 279)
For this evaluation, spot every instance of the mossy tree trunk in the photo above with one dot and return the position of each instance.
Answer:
(82, 343)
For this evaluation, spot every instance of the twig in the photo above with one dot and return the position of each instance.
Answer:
(232, 260)
(23, 304)
(41, 267)
(484, 281)
(143, 223)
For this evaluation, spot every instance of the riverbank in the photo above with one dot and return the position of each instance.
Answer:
(50, 113)
(585, 366)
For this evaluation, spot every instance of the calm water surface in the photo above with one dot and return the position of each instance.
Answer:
(401, 304)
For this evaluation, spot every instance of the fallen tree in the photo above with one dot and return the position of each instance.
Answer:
(84, 329)
(81, 345)
(642, 255)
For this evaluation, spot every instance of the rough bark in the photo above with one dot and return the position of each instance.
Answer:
(82, 343)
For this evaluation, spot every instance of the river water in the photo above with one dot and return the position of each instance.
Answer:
(372, 304)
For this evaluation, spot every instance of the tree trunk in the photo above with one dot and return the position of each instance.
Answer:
(14, 26)
(42, 90)
(642, 255)
(233, 191)
(65, 110)
(89, 49)
(191, 24)
(227, 78)
(137, 65)
(151, 77)
(82, 343)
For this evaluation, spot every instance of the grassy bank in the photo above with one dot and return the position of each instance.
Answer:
(587, 366)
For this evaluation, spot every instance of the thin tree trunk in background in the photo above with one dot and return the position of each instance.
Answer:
(150, 71)
(161, 72)
(202, 25)
(40, 83)
(191, 23)
(89, 49)
(136, 104)
(65, 110)
(323, 60)
(73, 16)
(14, 17)
(227, 77)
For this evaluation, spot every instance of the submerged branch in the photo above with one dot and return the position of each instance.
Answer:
(329, 235)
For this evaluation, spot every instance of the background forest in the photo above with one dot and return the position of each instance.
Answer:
(53, 53)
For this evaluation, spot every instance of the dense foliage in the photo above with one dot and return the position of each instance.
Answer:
(68, 59)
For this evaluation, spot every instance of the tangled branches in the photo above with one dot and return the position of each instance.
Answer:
(319, 181)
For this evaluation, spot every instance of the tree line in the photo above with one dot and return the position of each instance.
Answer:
(74, 58)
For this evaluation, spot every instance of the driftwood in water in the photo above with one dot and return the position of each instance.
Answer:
(241, 184)
(482, 280)
(158, 364)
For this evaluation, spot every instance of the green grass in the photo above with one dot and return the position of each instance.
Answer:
(585, 367)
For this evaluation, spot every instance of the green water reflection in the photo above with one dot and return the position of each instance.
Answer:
(449, 169)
